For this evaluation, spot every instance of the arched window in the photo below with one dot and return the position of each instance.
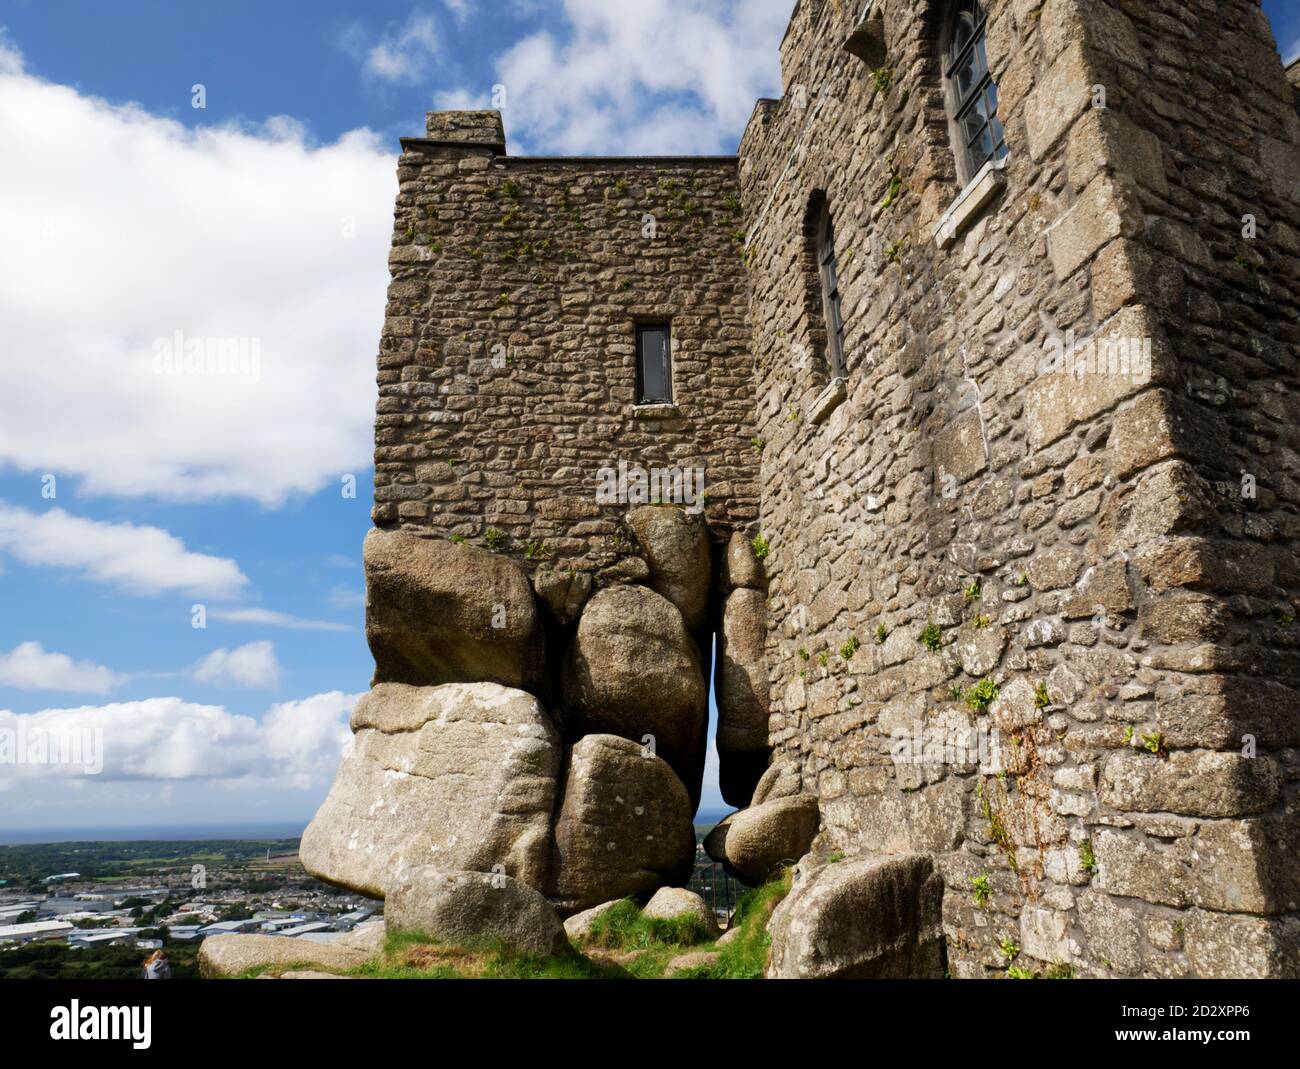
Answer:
(830, 287)
(972, 95)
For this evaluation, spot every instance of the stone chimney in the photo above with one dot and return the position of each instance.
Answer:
(481, 129)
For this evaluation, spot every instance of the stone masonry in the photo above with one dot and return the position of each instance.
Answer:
(1029, 623)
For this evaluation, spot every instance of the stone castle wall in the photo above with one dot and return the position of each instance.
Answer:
(507, 368)
(1079, 544)
(1067, 589)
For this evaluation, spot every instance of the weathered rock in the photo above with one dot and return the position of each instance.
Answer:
(879, 918)
(623, 828)
(634, 671)
(1198, 783)
(741, 677)
(756, 842)
(670, 902)
(441, 612)
(564, 592)
(781, 780)
(692, 959)
(676, 545)
(462, 775)
(465, 908)
(740, 567)
(233, 955)
(579, 927)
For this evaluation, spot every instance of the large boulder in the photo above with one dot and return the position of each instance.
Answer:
(755, 843)
(633, 671)
(879, 918)
(677, 549)
(740, 567)
(470, 908)
(564, 591)
(740, 685)
(669, 903)
(463, 775)
(624, 825)
(442, 612)
(229, 956)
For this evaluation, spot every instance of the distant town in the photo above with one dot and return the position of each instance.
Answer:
(95, 910)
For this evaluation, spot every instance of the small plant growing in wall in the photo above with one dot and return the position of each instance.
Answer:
(982, 695)
(931, 637)
(1041, 699)
(983, 892)
(891, 194)
(1060, 971)
(1022, 579)
(1128, 733)
(804, 654)
(974, 589)
(1154, 742)
(1015, 972)
(1087, 857)
(824, 658)
(494, 539)
(459, 539)
(982, 622)
(850, 648)
(758, 445)
(882, 633)
(511, 188)
(881, 78)
(1009, 949)
(535, 550)
(760, 547)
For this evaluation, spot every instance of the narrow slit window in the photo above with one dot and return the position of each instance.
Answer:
(654, 364)
(972, 94)
(830, 283)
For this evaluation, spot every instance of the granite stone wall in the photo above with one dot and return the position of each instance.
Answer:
(1022, 615)
(507, 371)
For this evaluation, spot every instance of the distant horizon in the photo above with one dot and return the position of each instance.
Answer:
(281, 829)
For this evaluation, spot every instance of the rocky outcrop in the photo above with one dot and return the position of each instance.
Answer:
(633, 671)
(740, 683)
(565, 592)
(442, 612)
(623, 828)
(676, 547)
(462, 776)
(879, 918)
(740, 568)
(756, 843)
(670, 903)
(228, 956)
(469, 908)
(581, 926)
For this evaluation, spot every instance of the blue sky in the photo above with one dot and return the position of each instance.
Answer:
(130, 215)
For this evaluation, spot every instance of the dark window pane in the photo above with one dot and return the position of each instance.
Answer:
(654, 368)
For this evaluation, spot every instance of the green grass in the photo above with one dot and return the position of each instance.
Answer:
(625, 927)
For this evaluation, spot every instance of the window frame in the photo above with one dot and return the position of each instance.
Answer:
(642, 329)
(829, 283)
(983, 90)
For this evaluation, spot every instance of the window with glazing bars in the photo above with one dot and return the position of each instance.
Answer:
(972, 93)
(654, 364)
(830, 283)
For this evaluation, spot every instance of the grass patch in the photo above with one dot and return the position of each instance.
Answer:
(625, 927)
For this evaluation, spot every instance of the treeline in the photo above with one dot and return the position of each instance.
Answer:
(24, 864)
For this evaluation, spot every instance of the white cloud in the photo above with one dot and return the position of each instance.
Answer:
(252, 665)
(142, 560)
(1291, 53)
(404, 53)
(296, 743)
(658, 77)
(461, 9)
(218, 233)
(268, 618)
(29, 667)
(344, 597)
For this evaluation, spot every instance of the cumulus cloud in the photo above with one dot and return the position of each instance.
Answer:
(296, 743)
(141, 560)
(404, 53)
(269, 618)
(29, 667)
(195, 314)
(657, 77)
(253, 665)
